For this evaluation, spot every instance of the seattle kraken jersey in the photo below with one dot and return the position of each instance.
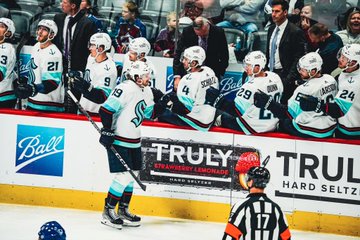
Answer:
(46, 65)
(149, 100)
(191, 92)
(256, 218)
(101, 76)
(7, 64)
(127, 103)
(313, 123)
(348, 99)
(252, 119)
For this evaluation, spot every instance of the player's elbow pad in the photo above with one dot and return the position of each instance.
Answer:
(46, 86)
(106, 117)
(96, 95)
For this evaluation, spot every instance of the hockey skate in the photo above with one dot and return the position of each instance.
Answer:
(129, 219)
(110, 218)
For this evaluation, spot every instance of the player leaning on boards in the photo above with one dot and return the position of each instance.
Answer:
(7, 64)
(346, 107)
(44, 87)
(121, 116)
(99, 78)
(258, 217)
(241, 114)
(295, 121)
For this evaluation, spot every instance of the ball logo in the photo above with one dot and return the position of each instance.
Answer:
(39, 150)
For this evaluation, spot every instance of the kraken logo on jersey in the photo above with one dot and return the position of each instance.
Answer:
(40, 150)
(31, 68)
(139, 112)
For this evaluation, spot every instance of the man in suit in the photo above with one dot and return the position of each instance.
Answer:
(75, 30)
(285, 46)
(209, 37)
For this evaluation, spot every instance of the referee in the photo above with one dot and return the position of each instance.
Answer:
(258, 218)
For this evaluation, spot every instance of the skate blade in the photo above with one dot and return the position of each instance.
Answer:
(128, 223)
(108, 223)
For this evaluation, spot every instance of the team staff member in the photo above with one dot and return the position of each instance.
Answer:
(258, 217)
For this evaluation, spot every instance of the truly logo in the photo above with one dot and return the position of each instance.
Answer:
(40, 150)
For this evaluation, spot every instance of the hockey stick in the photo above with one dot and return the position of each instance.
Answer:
(143, 186)
(21, 44)
(265, 162)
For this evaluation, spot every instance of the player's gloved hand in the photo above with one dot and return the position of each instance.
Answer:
(211, 95)
(309, 103)
(262, 100)
(107, 137)
(177, 106)
(79, 83)
(157, 94)
(25, 90)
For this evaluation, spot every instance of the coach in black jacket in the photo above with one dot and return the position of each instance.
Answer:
(217, 54)
(290, 47)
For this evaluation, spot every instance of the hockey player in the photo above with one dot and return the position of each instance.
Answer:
(121, 116)
(295, 121)
(7, 64)
(188, 103)
(258, 217)
(242, 114)
(44, 88)
(346, 107)
(52, 231)
(100, 74)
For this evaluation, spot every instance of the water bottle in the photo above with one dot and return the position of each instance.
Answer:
(238, 44)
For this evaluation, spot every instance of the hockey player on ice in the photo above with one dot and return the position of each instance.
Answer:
(44, 87)
(293, 119)
(121, 116)
(7, 64)
(241, 114)
(99, 78)
(188, 106)
(346, 107)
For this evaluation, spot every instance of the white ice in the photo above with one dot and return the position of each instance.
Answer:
(20, 222)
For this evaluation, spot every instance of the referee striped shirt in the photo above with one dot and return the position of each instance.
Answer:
(258, 218)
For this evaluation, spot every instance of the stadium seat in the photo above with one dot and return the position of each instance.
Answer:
(232, 34)
(258, 41)
(151, 29)
(22, 21)
(163, 5)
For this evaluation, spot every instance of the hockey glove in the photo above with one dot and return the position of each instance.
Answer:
(107, 137)
(157, 94)
(25, 90)
(262, 100)
(309, 103)
(177, 106)
(211, 96)
(79, 83)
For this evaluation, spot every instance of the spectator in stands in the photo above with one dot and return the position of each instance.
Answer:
(75, 30)
(44, 88)
(211, 38)
(241, 114)
(90, 13)
(329, 45)
(346, 107)
(293, 119)
(305, 21)
(191, 10)
(165, 41)
(7, 64)
(188, 106)
(352, 32)
(128, 27)
(285, 45)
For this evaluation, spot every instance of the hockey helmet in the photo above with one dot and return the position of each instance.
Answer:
(101, 39)
(9, 24)
(49, 24)
(140, 45)
(52, 231)
(310, 61)
(256, 58)
(138, 68)
(259, 175)
(351, 52)
(195, 53)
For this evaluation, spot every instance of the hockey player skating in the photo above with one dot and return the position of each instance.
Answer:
(346, 107)
(121, 116)
(44, 88)
(99, 78)
(7, 64)
(188, 103)
(52, 231)
(241, 114)
(258, 217)
(295, 121)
